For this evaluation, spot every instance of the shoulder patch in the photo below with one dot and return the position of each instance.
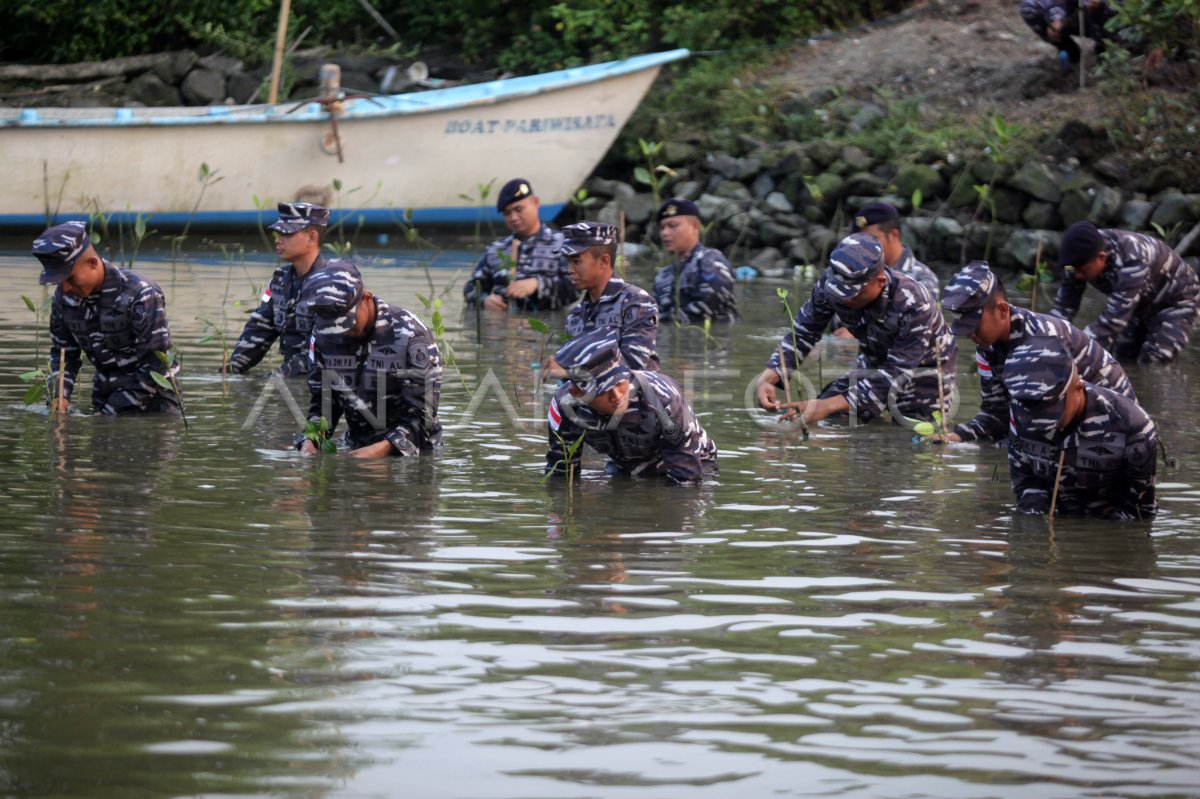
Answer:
(139, 319)
(418, 353)
(554, 417)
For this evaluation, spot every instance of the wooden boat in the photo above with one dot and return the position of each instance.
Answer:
(426, 153)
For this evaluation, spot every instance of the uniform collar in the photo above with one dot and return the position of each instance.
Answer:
(611, 290)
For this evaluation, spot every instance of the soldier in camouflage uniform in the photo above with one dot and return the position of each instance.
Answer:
(114, 316)
(976, 296)
(540, 282)
(1107, 444)
(283, 311)
(640, 420)
(1153, 296)
(699, 285)
(902, 338)
(376, 365)
(1056, 21)
(882, 221)
(608, 301)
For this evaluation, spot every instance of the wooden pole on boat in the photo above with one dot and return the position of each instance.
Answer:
(285, 9)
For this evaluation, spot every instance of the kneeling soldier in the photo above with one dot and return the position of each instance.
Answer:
(639, 419)
(376, 365)
(1105, 442)
(976, 295)
(114, 316)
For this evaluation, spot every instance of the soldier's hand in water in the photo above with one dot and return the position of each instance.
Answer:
(380, 449)
(551, 369)
(948, 438)
(495, 301)
(764, 391)
(520, 289)
(814, 410)
(308, 447)
(59, 406)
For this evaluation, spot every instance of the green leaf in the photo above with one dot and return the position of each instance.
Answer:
(35, 393)
(206, 339)
(917, 198)
(161, 380)
(539, 325)
(36, 374)
(329, 447)
(923, 429)
(337, 185)
(164, 357)
(781, 293)
(564, 337)
(642, 175)
(29, 304)
(139, 227)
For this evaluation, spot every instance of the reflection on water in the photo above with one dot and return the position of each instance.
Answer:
(205, 612)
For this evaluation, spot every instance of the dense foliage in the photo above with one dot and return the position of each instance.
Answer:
(519, 36)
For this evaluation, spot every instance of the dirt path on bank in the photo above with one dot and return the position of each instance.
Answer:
(964, 56)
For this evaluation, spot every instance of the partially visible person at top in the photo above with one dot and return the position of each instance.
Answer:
(283, 311)
(976, 298)
(1153, 295)
(115, 317)
(882, 221)
(903, 341)
(538, 280)
(1057, 21)
(607, 301)
(699, 284)
(1106, 443)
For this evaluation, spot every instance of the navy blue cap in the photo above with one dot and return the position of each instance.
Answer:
(967, 295)
(873, 214)
(515, 189)
(336, 290)
(583, 235)
(294, 217)
(1037, 375)
(852, 265)
(677, 206)
(593, 361)
(58, 248)
(1079, 244)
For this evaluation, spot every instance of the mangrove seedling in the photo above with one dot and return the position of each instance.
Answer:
(213, 331)
(36, 378)
(567, 461)
(169, 381)
(543, 331)
(480, 197)
(340, 249)
(581, 201)
(782, 294)
(653, 174)
(317, 431)
(260, 205)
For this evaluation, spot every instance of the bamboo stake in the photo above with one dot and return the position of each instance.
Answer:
(285, 9)
(1062, 454)
(787, 391)
(62, 378)
(941, 394)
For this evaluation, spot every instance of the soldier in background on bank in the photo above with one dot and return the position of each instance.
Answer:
(538, 279)
(283, 312)
(640, 420)
(607, 301)
(1153, 295)
(114, 316)
(1056, 21)
(902, 339)
(976, 296)
(375, 365)
(699, 285)
(1106, 443)
(882, 221)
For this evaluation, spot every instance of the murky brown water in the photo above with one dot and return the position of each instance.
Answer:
(207, 613)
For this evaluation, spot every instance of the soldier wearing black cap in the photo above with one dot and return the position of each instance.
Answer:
(976, 297)
(1153, 296)
(538, 279)
(114, 316)
(607, 301)
(640, 420)
(882, 221)
(699, 285)
(376, 365)
(902, 339)
(1107, 444)
(283, 311)
(1056, 21)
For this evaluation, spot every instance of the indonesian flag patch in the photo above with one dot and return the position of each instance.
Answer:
(266, 295)
(1012, 425)
(554, 416)
(312, 349)
(985, 368)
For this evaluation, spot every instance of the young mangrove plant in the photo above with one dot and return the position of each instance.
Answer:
(169, 381)
(782, 293)
(581, 201)
(212, 331)
(207, 177)
(317, 431)
(36, 378)
(480, 198)
(653, 173)
(567, 461)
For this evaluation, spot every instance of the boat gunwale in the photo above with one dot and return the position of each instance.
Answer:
(382, 107)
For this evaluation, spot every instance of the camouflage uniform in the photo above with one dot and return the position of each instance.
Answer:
(283, 313)
(967, 294)
(386, 384)
(1110, 451)
(909, 265)
(121, 328)
(658, 433)
(630, 312)
(701, 286)
(1153, 298)
(1039, 14)
(899, 334)
(538, 256)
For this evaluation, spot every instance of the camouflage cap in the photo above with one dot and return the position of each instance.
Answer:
(593, 362)
(967, 295)
(1079, 244)
(515, 189)
(58, 248)
(582, 235)
(336, 290)
(873, 214)
(294, 217)
(677, 206)
(1037, 375)
(855, 261)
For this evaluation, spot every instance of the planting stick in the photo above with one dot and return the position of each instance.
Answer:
(1062, 454)
(787, 391)
(62, 377)
(941, 395)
